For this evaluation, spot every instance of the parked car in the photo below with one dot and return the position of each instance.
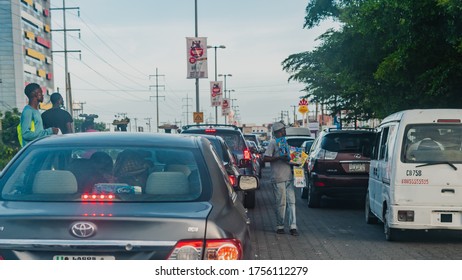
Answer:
(338, 165)
(121, 196)
(236, 141)
(256, 158)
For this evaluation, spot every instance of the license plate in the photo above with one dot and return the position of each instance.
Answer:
(83, 258)
(357, 167)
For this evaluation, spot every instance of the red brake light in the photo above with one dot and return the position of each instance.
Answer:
(247, 154)
(448, 120)
(319, 184)
(97, 197)
(215, 249)
(210, 131)
(232, 178)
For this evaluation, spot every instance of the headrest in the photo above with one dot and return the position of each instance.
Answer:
(167, 183)
(55, 182)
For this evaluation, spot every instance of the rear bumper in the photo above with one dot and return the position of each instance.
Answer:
(428, 217)
(340, 186)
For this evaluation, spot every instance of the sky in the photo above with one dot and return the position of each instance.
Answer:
(121, 46)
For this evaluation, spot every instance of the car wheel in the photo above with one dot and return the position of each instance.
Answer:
(370, 217)
(390, 233)
(249, 199)
(314, 198)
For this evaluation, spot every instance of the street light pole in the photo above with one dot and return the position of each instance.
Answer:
(196, 33)
(216, 47)
(224, 76)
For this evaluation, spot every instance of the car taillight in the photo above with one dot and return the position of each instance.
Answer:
(246, 154)
(232, 178)
(2, 258)
(325, 154)
(97, 197)
(210, 131)
(319, 184)
(215, 249)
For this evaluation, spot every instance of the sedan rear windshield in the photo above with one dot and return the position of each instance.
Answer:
(234, 139)
(115, 173)
(349, 142)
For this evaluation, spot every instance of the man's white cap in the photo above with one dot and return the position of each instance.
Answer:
(277, 126)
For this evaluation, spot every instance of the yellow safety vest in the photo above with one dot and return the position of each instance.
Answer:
(18, 128)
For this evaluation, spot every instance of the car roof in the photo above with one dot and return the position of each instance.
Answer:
(349, 131)
(119, 138)
(227, 127)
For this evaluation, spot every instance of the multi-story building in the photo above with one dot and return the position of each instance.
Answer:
(25, 51)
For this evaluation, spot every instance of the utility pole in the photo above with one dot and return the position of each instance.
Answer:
(136, 124)
(157, 95)
(148, 123)
(295, 114)
(285, 113)
(65, 51)
(196, 34)
(187, 107)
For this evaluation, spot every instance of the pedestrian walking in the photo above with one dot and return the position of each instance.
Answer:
(56, 116)
(277, 154)
(31, 125)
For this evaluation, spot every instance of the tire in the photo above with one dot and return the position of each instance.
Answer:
(370, 217)
(249, 199)
(390, 233)
(304, 191)
(314, 198)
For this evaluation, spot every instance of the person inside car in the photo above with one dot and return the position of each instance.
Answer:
(131, 168)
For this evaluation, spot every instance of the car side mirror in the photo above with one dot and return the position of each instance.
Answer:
(248, 182)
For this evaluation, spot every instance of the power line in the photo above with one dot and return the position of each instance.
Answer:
(157, 95)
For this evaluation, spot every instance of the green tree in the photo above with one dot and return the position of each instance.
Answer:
(9, 143)
(387, 55)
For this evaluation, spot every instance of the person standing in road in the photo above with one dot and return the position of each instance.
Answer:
(57, 117)
(31, 125)
(282, 179)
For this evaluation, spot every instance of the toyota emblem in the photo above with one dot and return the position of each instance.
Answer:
(357, 155)
(83, 229)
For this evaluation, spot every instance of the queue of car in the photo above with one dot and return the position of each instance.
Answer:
(160, 196)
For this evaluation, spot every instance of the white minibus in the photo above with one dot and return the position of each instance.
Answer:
(415, 176)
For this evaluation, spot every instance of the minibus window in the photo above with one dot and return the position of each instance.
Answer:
(436, 142)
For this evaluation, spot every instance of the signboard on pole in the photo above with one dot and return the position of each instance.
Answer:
(196, 53)
(225, 107)
(216, 94)
(303, 106)
(198, 117)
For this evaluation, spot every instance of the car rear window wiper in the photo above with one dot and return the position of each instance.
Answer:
(439, 162)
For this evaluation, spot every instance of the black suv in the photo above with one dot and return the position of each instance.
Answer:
(338, 164)
(236, 142)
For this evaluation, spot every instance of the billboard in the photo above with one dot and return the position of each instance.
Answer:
(216, 95)
(196, 53)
